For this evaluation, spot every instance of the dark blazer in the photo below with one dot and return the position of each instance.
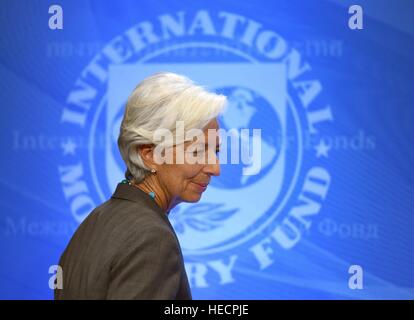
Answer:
(125, 249)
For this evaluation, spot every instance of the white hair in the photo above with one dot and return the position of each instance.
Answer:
(158, 102)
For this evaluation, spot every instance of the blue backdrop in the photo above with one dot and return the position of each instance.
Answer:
(335, 106)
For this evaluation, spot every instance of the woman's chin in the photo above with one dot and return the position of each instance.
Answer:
(193, 197)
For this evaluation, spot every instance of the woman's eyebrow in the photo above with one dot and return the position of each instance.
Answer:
(218, 145)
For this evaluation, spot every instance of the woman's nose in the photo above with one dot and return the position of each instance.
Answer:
(213, 167)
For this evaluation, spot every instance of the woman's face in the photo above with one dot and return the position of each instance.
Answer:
(187, 181)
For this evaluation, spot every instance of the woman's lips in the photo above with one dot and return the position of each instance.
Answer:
(201, 186)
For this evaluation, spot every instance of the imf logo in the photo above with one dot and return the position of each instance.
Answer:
(268, 86)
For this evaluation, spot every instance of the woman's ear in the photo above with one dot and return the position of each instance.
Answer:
(147, 154)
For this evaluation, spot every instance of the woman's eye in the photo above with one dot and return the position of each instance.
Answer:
(197, 153)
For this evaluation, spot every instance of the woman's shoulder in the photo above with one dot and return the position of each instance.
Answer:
(123, 219)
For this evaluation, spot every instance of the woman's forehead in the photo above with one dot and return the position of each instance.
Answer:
(213, 124)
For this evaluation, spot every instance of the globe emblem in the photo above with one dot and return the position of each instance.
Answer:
(236, 211)
(247, 110)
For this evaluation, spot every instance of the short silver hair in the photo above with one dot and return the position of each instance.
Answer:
(159, 101)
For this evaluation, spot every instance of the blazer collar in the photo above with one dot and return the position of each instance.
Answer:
(126, 192)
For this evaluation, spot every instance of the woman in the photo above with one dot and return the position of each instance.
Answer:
(126, 248)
